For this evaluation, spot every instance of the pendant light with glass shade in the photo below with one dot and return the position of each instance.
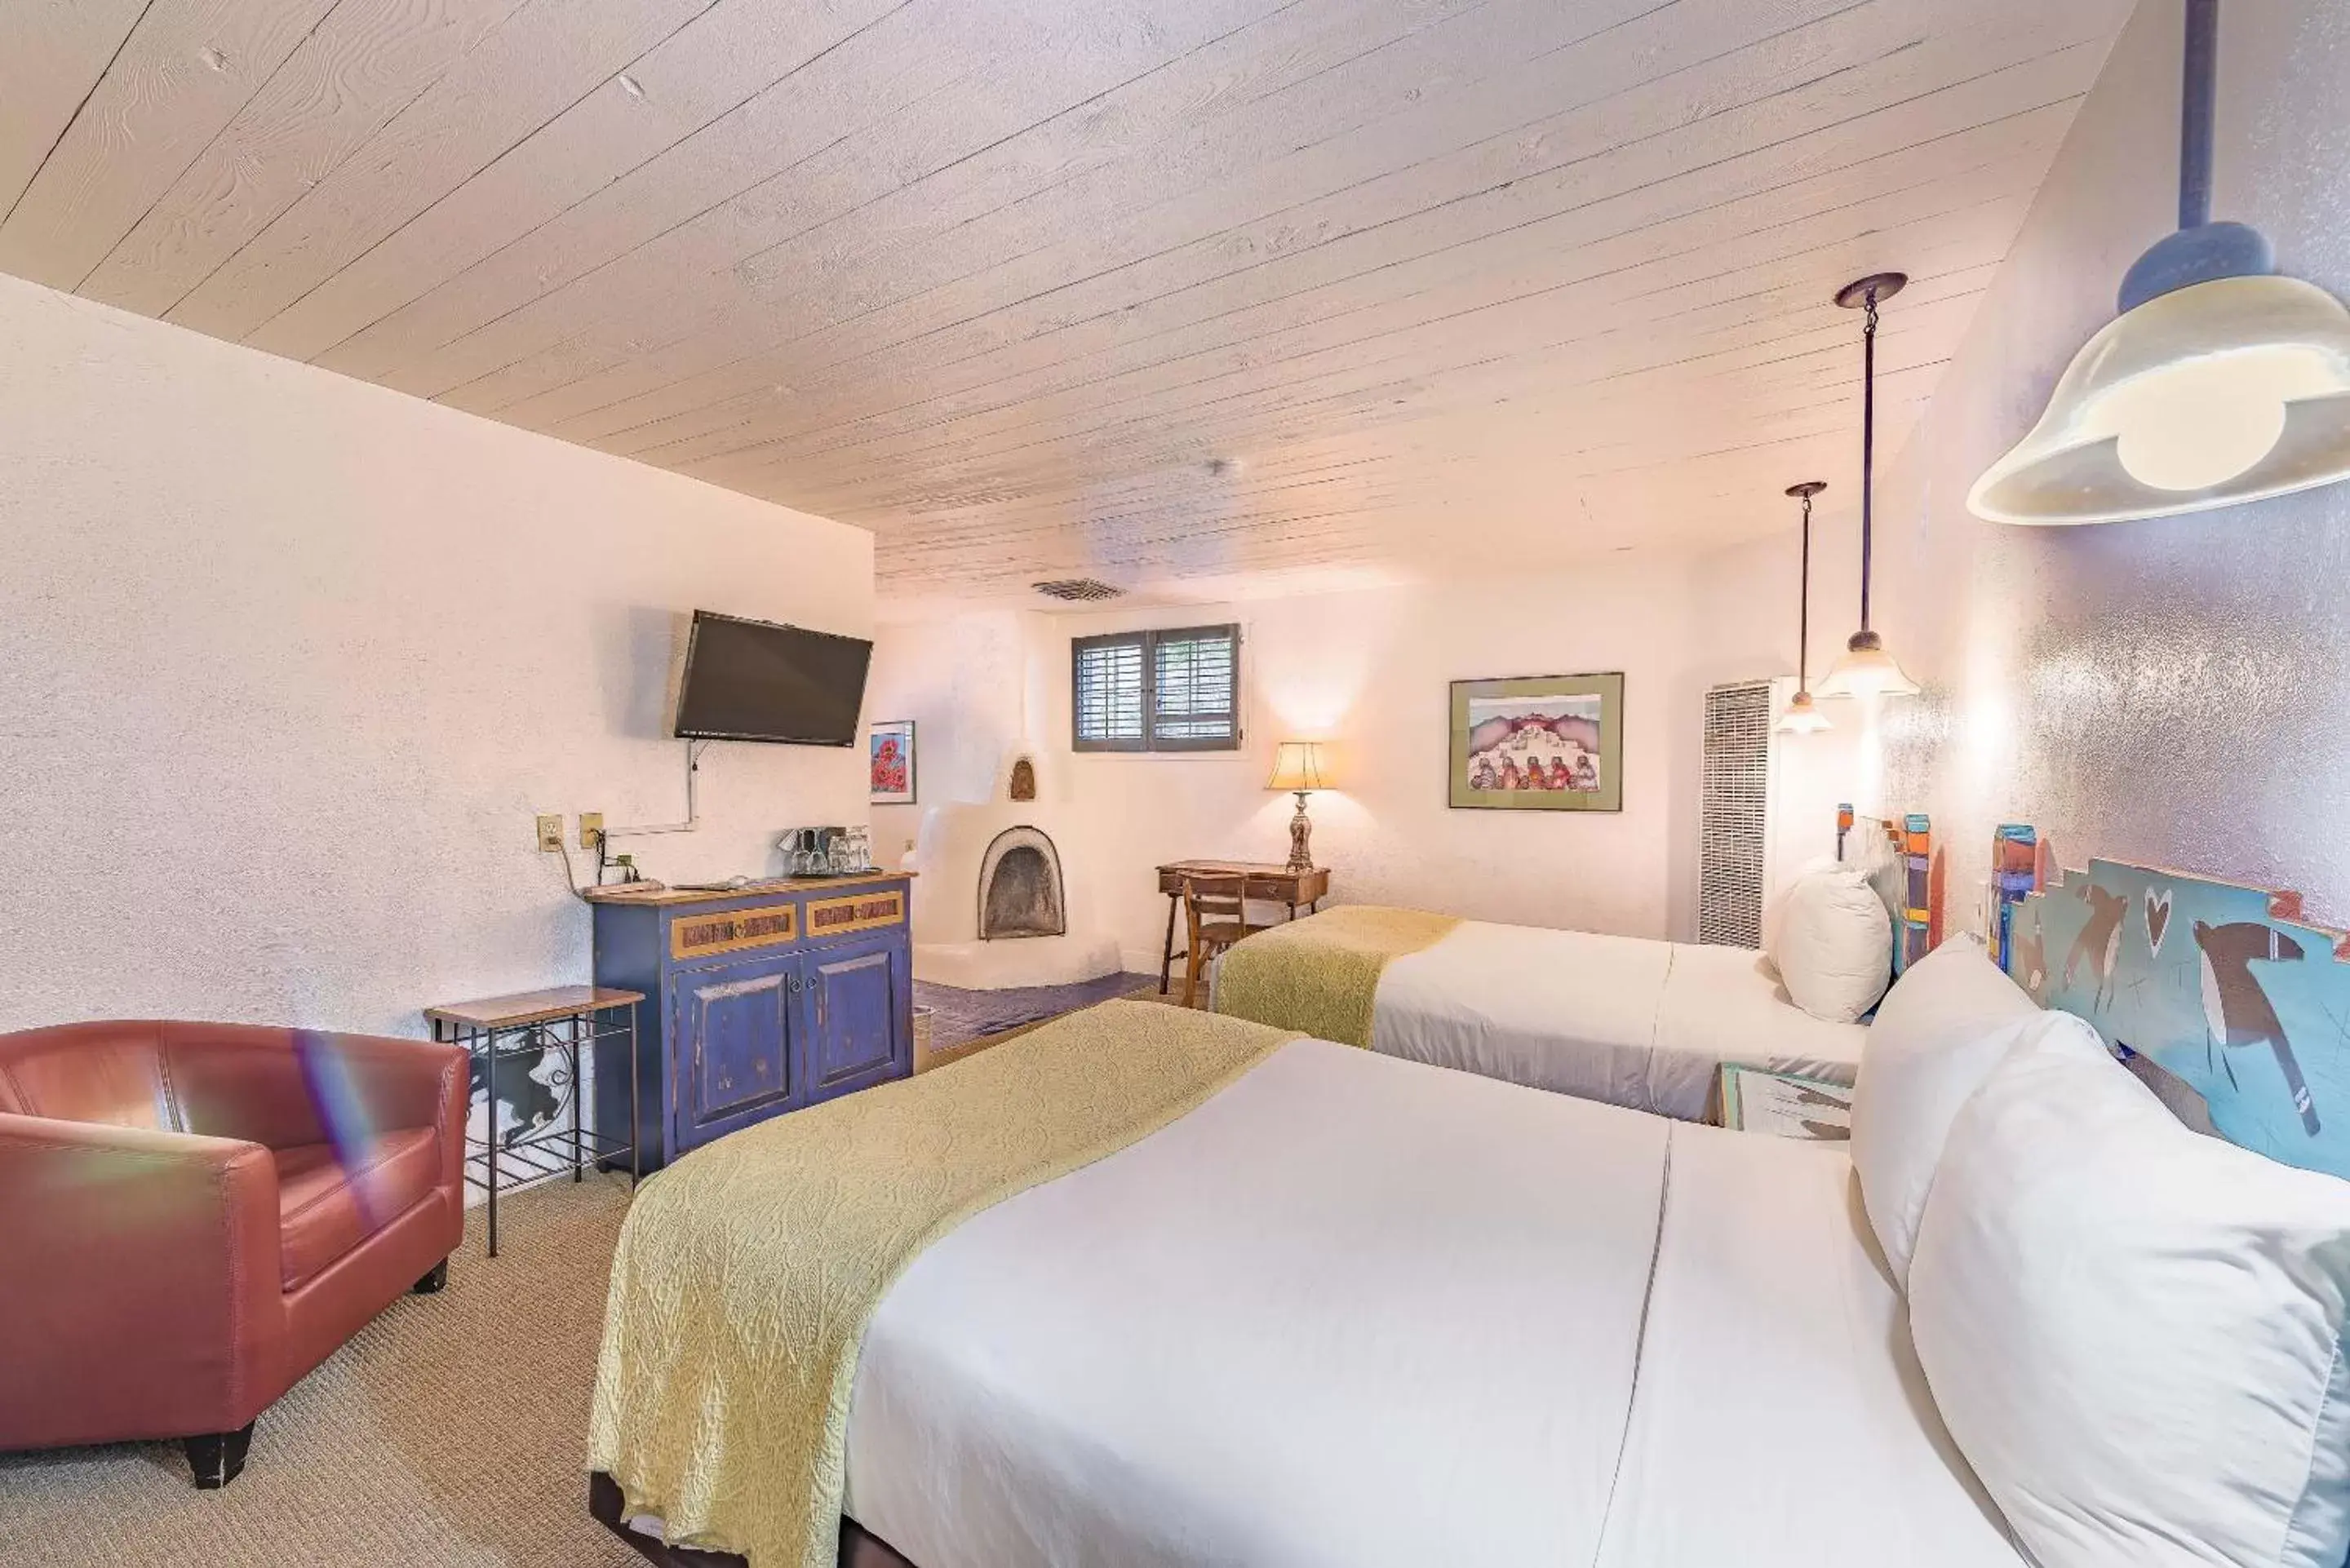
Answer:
(2219, 382)
(1866, 670)
(1802, 716)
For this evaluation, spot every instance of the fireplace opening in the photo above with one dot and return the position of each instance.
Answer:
(1020, 886)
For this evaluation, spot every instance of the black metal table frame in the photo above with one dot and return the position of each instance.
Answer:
(542, 1153)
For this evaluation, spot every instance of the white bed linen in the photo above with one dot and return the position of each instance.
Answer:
(1350, 1313)
(1782, 1420)
(1620, 1018)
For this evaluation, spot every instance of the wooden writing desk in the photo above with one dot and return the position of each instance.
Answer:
(1274, 884)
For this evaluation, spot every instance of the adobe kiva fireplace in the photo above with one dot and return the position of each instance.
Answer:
(1005, 895)
(1020, 891)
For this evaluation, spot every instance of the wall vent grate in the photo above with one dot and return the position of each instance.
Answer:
(1078, 590)
(1735, 814)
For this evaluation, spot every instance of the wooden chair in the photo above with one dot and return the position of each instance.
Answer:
(1215, 908)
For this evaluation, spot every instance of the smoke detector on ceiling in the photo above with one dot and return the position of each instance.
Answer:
(1077, 590)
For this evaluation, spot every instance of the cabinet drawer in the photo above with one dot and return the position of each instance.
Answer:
(697, 937)
(854, 912)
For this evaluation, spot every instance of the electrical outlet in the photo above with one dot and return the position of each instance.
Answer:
(591, 829)
(550, 833)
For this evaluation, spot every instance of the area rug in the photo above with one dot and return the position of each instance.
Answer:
(960, 1017)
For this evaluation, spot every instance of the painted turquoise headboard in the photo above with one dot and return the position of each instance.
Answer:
(2219, 985)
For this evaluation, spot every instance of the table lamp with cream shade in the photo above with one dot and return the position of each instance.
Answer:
(1301, 767)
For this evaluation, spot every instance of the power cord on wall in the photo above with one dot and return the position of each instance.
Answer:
(571, 877)
(693, 750)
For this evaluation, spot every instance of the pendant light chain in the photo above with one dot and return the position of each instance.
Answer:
(1804, 611)
(1867, 670)
(1802, 718)
(1867, 447)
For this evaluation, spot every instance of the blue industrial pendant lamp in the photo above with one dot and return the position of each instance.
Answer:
(2219, 382)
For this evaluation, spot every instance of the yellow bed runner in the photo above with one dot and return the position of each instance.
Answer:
(1320, 974)
(747, 1271)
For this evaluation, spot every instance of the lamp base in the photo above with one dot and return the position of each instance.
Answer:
(1301, 837)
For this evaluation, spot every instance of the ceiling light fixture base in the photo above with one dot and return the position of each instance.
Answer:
(2204, 254)
(1874, 289)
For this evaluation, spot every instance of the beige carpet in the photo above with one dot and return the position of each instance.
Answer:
(452, 1432)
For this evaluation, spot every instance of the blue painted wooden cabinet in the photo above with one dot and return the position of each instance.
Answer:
(760, 1002)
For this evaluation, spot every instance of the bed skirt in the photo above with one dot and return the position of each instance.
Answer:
(858, 1547)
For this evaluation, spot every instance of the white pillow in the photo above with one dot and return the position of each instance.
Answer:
(2134, 1332)
(1835, 945)
(1943, 1027)
(1774, 912)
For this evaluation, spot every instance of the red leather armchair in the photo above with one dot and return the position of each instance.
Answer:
(195, 1215)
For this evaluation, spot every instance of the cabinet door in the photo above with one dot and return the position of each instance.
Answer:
(731, 1041)
(859, 1016)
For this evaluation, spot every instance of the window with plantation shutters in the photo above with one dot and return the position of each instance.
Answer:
(1733, 816)
(1109, 692)
(1172, 690)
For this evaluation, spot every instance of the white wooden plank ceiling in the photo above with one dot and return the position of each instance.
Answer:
(1171, 292)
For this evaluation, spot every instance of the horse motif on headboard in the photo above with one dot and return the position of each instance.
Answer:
(2222, 986)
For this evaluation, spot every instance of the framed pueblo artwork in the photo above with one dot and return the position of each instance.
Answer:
(1538, 743)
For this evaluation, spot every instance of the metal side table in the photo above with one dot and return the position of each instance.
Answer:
(509, 1037)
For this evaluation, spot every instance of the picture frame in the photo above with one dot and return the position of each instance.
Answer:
(1537, 742)
(889, 762)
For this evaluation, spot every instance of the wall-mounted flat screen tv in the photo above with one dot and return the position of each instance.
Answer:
(755, 680)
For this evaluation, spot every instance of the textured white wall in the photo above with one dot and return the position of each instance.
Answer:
(962, 680)
(2171, 692)
(1369, 670)
(288, 661)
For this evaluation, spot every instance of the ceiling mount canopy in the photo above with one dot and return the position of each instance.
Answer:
(2219, 382)
(1866, 670)
(1802, 716)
